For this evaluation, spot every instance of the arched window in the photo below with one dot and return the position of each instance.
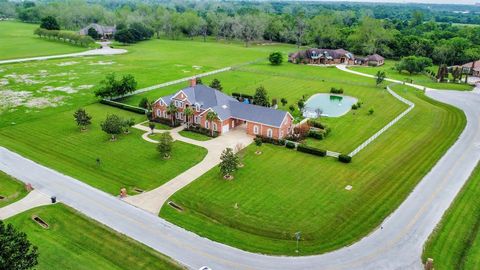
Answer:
(215, 127)
(164, 114)
(255, 130)
(269, 133)
(207, 124)
(159, 113)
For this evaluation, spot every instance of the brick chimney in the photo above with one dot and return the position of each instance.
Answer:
(193, 82)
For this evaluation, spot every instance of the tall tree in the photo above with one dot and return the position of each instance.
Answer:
(380, 77)
(113, 125)
(211, 117)
(261, 97)
(188, 112)
(229, 163)
(82, 118)
(172, 110)
(215, 84)
(370, 37)
(251, 28)
(16, 252)
(164, 146)
(49, 23)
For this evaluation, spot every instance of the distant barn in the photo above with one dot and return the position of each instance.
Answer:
(105, 32)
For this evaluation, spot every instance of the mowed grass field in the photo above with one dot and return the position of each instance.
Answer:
(420, 79)
(74, 241)
(282, 191)
(11, 189)
(129, 162)
(18, 41)
(293, 82)
(36, 89)
(455, 243)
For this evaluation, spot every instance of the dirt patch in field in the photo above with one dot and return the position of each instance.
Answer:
(66, 89)
(23, 78)
(3, 82)
(102, 63)
(9, 98)
(69, 63)
(85, 86)
(43, 102)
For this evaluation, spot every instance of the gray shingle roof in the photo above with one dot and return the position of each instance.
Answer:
(101, 29)
(226, 106)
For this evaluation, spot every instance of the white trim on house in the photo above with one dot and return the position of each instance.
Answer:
(255, 130)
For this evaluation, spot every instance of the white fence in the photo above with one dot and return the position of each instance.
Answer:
(153, 87)
(410, 104)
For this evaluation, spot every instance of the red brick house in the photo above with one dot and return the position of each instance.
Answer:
(257, 120)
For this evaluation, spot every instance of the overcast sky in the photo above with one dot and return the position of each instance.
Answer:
(468, 2)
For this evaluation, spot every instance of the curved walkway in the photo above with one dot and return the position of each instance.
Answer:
(397, 245)
(104, 50)
(153, 200)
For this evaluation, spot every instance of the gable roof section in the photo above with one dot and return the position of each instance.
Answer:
(226, 106)
(101, 29)
(469, 65)
(259, 114)
(375, 57)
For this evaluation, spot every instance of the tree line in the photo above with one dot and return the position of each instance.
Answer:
(361, 28)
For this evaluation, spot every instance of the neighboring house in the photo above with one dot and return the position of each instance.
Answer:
(258, 120)
(371, 60)
(473, 68)
(105, 32)
(333, 57)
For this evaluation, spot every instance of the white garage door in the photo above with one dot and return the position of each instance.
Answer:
(225, 128)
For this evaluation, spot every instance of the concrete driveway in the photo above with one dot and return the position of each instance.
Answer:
(152, 201)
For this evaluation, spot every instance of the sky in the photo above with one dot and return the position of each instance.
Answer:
(467, 2)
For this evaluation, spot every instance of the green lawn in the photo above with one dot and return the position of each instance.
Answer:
(129, 162)
(420, 79)
(194, 135)
(455, 243)
(18, 41)
(74, 241)
(36, 89)
(294, 81)
(11, 189)
(282, 191)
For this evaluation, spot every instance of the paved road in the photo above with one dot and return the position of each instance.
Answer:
(32, 200)
(104, 50)
(397, 246)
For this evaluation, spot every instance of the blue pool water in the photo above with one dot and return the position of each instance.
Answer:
(328, 105)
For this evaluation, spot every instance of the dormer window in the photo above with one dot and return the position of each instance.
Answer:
(197, 107)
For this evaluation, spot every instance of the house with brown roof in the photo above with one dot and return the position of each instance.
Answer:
(316, 56)
(231, 113)
(105, 32)
(473, 68)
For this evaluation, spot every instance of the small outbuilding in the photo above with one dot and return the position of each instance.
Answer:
(472, 68)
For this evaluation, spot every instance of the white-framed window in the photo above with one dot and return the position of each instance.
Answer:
(207, 124)
(196, 119)
(159, 113)
(164, 114)
(178, 104)
(281, 133)
(197, 107)
(255, 130)
(269, 133)
(215, 126)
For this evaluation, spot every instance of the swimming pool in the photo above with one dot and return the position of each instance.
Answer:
(328, 105)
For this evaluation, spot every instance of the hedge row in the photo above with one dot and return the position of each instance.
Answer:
(166, 121)
(311, 150)
(240, 95)
(334, 90)
(202, 130)
(271, 140)
(124, 106)
(345, 158)
(67, 37)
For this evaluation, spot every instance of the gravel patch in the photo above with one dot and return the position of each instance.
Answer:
(69, 63)
(102, 63)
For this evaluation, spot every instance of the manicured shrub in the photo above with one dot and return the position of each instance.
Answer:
(311, 150)
(316, 134)
(316, 124)
(290, 145)
(166, 121)
(202, 130)
(270, 140)
(345, 158)
(124, 106)
(335, 90)
(276, 58)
